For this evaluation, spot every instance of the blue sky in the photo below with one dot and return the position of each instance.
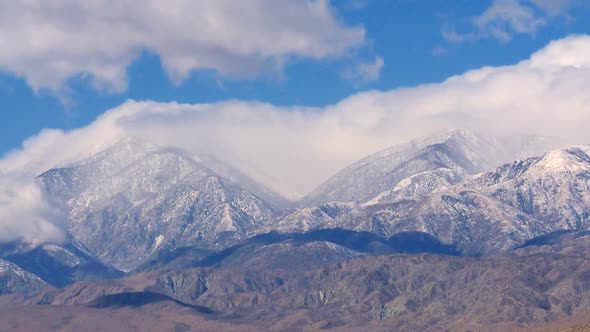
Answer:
(418, 42)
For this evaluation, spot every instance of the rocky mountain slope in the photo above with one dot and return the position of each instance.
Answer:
(143, 199)
(133, 199)
(13, 279)
(239, 178)
(526, 288)
(554, 188)
(297, 251)
(485, 213)
(475, 223)
(429, 236)
(58, 265)
(423, 166)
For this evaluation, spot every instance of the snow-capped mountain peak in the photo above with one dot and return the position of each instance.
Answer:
(573, 159)
(423, 166)
(125, 201)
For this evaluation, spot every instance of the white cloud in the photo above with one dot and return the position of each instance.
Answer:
(555, 7)
(50, 42)
(293, 149)
(364, 72)
(505, 18)
(25, 213)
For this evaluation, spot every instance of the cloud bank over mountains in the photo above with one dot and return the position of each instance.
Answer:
(48, 43)
(293, 149)
(26, 214)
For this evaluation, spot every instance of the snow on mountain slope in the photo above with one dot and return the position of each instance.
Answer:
(423, 166)
(323, 216)
(477, 224)
(480, 214)
(57, 265)
(554, 188)
(473, 222)
(134, 199)
(495, 210)
(129, 200)
(236, 176)
(13, 279)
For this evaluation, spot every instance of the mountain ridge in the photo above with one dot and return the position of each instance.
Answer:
(462, 152)
(161, 196)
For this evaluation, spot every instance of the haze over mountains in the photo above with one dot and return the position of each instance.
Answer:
(234, 248)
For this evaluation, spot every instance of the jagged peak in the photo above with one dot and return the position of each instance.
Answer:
(132, 152)
(571, 159)
(463, 136)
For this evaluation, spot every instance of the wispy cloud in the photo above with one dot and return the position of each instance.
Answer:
(555, 7)
(504, 19)
(364, 72)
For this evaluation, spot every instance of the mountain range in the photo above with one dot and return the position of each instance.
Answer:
(188, 231)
